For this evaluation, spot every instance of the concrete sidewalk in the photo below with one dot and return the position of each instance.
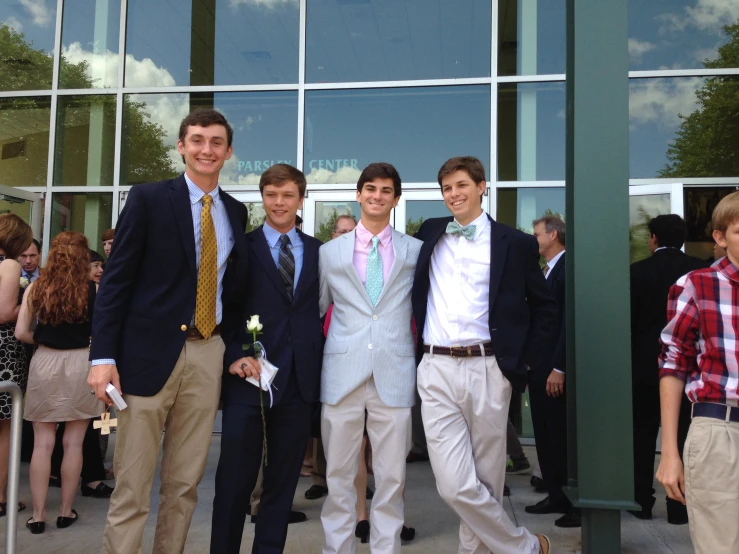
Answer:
(436, 525)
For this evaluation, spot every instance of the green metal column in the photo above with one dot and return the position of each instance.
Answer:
(598, 325)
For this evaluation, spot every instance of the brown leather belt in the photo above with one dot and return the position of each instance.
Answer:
(194, 334)
(460, 351)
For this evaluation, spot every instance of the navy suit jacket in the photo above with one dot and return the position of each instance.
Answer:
(558, 283)
(292, 333)
(149, 285)
(523, 313)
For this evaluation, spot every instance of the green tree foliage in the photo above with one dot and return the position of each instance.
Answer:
(413, 225)
(706, 144)
(256, 216)
(326, 227)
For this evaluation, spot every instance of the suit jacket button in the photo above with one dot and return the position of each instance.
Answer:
(374, 317)
(184, 327)
(369, 346)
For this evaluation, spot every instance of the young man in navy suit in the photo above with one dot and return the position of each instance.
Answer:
(282, 289)
(163, 318)
(485, 317)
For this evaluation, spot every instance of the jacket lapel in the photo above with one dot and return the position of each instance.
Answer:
(180, 198)
(555, 271)
(263, 254)
(400, 250)
(346, 258)
(498, 252)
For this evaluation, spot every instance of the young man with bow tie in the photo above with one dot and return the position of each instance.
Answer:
(485, 317)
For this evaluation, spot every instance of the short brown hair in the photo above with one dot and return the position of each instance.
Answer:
(205, 118)
(108, 234)
(15, 235)
(553, 223)
(279, 174)
(726, 212)
(470, 164)
(380, 170)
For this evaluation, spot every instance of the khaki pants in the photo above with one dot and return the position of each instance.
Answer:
(711, 458)
(388, 429)
(465, 415)
(185, 408)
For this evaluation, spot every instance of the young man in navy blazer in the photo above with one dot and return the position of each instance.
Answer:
(485, 317)
(282, 289)
(163, 318)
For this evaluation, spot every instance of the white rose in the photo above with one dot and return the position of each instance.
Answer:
(24, 282)
(253, 324)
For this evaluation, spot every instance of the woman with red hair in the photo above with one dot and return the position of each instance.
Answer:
(61, 300)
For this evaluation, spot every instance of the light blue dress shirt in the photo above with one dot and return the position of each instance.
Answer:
(296, 246)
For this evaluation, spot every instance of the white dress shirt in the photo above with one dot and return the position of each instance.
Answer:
(458, 306)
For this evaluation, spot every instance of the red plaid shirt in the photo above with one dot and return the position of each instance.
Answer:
(700, 343)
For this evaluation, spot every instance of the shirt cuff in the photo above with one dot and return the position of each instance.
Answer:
(103, 361)
(557, 370)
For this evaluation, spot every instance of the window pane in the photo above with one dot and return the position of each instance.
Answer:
(27, 44)
(412, 128)
(418, 211)
(328, 212)
(681, 34)
(256, 215)
(90, 213)
(24, 141)
(681, 127)
(518, 208)
(531, 37)
(90, 44)
(385, 40)
(531, 132)
(641, 210)
(699, 203)
(209, 42)
(264, 126)
(85, 140)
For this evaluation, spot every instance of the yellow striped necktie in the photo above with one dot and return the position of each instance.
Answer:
(205, 305)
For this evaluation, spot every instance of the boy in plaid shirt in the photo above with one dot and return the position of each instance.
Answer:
(700, 355)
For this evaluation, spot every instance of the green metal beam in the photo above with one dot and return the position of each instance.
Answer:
(598, 324)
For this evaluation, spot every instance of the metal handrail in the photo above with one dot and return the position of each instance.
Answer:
(16, 428)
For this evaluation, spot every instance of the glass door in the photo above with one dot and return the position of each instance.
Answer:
(253, 202)
(26, 205)
(322, 208)
(646, 202)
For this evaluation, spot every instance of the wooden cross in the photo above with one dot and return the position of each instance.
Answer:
(105, 423)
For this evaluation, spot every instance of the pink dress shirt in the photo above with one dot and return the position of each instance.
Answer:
(363, 245)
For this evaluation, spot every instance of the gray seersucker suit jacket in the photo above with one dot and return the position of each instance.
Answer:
(364, 340)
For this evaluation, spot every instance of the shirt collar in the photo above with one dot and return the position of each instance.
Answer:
(728, 269)
(480, 222)
(365, 237)
(273, 235)
(551, 263)
(196, 193)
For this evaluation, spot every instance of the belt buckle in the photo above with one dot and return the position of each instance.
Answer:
(451, 351)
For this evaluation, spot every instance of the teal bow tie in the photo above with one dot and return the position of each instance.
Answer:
(454, 228)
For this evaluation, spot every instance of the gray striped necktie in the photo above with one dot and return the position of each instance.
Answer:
(286, 265)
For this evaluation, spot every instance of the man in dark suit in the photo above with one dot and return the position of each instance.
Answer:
(485, 318)
(282, 289)
(162, 320)
(547, 386)
(651, 280)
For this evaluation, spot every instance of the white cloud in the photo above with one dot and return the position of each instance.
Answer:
(659, 101)
(269, 4)
(637, 48)
(101, 68)
(345, 174)
(145, 73)
(14, 24)
(706, 15)
(38, 11)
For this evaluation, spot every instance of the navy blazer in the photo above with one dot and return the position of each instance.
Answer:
(147, 293)
(523, 312)
(558, 283)
(292, 333)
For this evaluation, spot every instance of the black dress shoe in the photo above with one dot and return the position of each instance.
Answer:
(413, 457)
(546, 506)
(362, 532)
(570, 520)
(641, 514)
(677, 514)
(36, 527)
(63, 522)
(538, 484)
(315, 492)
(407, 533)
(101, 491)
(295, 517)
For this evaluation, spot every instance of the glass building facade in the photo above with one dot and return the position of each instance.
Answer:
(92, 93)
